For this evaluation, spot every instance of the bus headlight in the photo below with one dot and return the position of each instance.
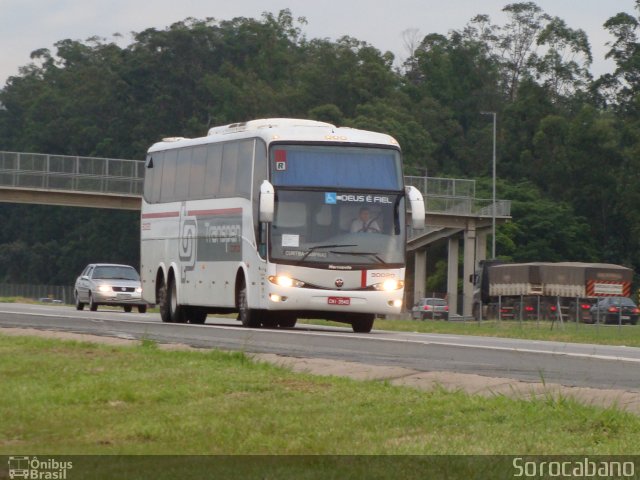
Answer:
(389, 285)
(285, 281)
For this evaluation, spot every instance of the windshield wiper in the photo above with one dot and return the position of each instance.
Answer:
(311, 249)
(361, 254)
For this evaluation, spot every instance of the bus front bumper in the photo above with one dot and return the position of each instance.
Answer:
(346, 301)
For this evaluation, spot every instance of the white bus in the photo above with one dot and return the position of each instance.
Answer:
(276, 219)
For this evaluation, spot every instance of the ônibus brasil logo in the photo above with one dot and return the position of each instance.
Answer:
(33, 468)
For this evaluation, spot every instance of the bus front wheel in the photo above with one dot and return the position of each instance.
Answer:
(362, 323)
(246, 315)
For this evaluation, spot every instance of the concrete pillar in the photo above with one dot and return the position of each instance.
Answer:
(481, 245)
(420, 274)
(452, 274)
(469, 267)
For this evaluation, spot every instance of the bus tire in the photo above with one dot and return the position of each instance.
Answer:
(249, 317)
(362, 323)
(163, 303)
(196, 315)
(287, 321)
(269, 321)
(176, 311)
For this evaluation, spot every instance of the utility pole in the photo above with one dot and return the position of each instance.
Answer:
(493, 216)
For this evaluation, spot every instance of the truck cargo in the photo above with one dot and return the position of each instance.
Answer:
(545, 289)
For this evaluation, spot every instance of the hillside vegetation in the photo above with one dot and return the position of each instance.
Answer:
(568, 143)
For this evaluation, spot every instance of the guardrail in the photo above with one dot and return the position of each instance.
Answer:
(69, 173)
(43, 293)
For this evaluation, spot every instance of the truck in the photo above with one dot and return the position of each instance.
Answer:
(545, 290)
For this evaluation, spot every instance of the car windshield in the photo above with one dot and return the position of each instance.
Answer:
(115, 273)
(438, 302)
(623, 301)
(335, 228)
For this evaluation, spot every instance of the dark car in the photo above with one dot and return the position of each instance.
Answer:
(109, 284)
(615, 310)
(431, 308)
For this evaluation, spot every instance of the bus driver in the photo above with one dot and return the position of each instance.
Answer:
(364, 224)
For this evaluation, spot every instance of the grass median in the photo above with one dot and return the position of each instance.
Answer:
(628, 335)
(67, 397)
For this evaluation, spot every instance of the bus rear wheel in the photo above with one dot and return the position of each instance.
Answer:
(362, 323)
(176, 311)
(196, 315)
(163, 303)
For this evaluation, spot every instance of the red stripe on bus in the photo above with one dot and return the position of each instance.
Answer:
(217, 211)
(363, 279)
(161, 215)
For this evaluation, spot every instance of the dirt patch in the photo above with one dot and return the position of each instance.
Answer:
(469, 383)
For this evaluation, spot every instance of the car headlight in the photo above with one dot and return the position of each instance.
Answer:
(139, 290)
(389, 285)
(284, 281)
(104, 288)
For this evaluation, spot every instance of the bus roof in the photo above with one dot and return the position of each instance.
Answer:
(282, 129)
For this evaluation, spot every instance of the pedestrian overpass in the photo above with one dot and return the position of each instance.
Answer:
(453, 213)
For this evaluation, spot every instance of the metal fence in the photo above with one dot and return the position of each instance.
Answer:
(62, 172)
(46, 293)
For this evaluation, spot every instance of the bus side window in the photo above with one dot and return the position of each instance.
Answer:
(214, 167)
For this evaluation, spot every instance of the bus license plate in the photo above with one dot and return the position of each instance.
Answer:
(339, 301)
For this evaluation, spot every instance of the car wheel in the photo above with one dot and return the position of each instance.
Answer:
(248, 317)
(362, 323)
(79, 304)
(142, 308)
(93, 306)
(128, 308)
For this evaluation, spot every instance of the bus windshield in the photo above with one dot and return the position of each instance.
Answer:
(342, 229)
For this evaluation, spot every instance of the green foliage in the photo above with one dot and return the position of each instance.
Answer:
(568, 145)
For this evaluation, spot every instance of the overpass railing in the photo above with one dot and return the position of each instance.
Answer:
(63, 172)
(118, 176)
(456, 196)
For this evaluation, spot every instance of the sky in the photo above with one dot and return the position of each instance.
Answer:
(28, 25)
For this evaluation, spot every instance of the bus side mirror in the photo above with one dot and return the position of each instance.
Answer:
(416, 202)
(267, 202)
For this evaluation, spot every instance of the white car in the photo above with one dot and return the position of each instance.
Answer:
(109, 284)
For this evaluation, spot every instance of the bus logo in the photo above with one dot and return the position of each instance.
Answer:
(330, 198)
(18, 467)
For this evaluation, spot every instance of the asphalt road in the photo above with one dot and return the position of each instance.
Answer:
(579, 365)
